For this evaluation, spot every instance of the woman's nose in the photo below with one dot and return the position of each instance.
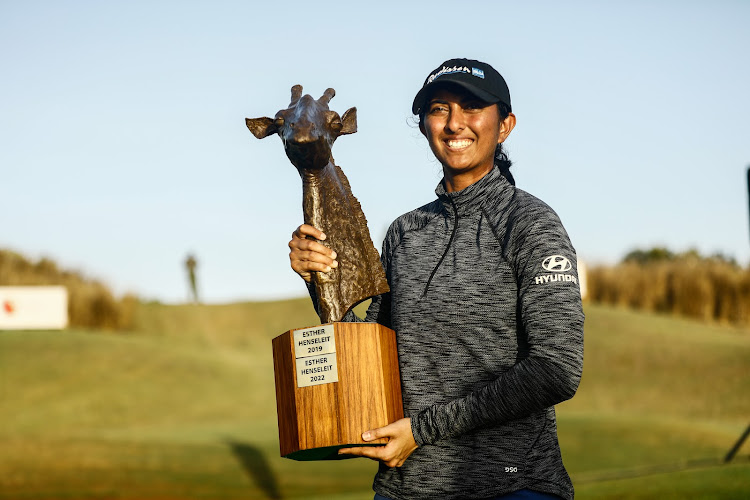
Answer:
(455, 121)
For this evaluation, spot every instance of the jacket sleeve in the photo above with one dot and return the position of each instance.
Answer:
(380, 308)
(550, 321)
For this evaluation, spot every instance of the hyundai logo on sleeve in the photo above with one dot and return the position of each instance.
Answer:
(556, 265)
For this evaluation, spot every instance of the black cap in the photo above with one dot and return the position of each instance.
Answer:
(477, 77)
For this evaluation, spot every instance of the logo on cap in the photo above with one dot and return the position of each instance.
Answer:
(446, 70)
(477, 72)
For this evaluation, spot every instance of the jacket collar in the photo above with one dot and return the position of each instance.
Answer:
(492, 186)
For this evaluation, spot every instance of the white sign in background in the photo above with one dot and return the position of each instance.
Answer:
(315, 353)
(33, 307)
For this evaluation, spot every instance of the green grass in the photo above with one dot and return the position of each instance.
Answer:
(184, 408)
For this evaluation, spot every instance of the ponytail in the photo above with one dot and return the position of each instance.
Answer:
(502, 161)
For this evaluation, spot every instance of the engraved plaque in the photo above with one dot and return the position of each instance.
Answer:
(313, 341)
(315, 353)
(314, 370)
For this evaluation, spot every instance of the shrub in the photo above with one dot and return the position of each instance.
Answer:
(713, 288)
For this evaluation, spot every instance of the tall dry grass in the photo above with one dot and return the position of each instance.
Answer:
(711, 289)
(90, 303)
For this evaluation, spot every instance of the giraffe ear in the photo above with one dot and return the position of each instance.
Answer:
(261, 127)
(349, 121)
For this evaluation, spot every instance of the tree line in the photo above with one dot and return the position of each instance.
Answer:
(712, 287)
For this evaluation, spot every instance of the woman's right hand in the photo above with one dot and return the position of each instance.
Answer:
(307, 255)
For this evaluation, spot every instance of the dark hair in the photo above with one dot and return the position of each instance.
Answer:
(502, 161)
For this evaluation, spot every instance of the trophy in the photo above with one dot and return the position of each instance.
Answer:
(334, 380)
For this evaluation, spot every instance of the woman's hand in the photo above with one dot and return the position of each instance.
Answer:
(400, 444)
(307, 255)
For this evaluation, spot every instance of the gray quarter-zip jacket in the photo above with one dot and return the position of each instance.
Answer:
(486, 306)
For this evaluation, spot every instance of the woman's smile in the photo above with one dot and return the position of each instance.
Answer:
(459, 144)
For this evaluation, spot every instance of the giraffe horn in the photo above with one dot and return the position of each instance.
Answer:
(327, 96)
(296, 94)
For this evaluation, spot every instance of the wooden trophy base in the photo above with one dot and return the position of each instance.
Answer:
(333, 382)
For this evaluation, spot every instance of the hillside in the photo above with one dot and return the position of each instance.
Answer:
(183, 407)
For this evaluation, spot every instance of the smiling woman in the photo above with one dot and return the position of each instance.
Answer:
(464, 133)
(479, 94)
(486, 345)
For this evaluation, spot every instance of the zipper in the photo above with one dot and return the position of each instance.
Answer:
(447, 247)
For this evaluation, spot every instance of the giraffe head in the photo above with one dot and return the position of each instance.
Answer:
(307, 128)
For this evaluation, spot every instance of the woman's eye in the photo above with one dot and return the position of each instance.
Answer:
(438, 109)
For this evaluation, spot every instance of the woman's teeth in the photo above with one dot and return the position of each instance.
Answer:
(459, 143)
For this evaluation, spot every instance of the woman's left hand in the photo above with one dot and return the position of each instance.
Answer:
(400, 444)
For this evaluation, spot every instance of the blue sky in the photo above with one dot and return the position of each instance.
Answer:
(123, 145)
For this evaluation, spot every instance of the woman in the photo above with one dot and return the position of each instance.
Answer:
(486, 307)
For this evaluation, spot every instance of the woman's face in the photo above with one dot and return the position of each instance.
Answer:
(463, 133)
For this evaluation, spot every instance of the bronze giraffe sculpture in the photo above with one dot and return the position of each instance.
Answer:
(308, 129)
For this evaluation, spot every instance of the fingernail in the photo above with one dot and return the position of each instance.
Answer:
(328, 269)
(322, 236)
(335, 263)
(334, 255)
(366, 436)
